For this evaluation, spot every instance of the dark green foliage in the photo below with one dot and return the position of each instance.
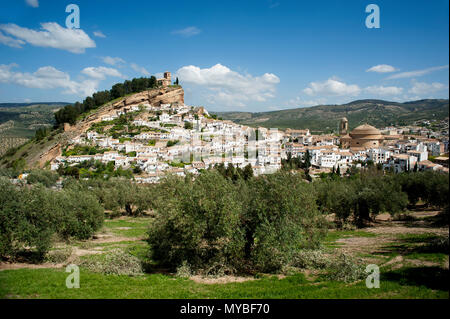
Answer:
(84, 150)
(79, 214)
(94, 169)
(197, 222)
(45, 177)
(365, 194)
(29, 217)
(235, 173)
(281, 217)
(172, 143)
(41, 133)
(188, 126)
(429, 186)
(214, 222)
(118, 194)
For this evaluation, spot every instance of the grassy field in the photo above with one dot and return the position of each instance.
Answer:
(410, 267)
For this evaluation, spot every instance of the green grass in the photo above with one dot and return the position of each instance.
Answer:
(417, 246)
(138, 226)
(50, 283)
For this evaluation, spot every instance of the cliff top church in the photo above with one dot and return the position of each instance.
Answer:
(166, 80)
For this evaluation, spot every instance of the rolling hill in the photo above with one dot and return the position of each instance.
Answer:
(325, 118)
(23, 119)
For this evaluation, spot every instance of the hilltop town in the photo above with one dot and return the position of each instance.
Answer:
(154, 133)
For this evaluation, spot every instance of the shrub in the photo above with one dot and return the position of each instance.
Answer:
(184, 270)
(197, 221)
(280, 219)
(79, 214)
(29, 217)
(58, 256)
(362, 197)
(25, 221)
(221, 226)
(46, 178)
(431, 187)
(345, 268)
(310, 259)
(115, 262)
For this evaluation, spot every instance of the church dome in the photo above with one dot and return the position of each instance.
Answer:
(366, 131)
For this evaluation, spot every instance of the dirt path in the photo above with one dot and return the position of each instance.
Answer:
(386, 233)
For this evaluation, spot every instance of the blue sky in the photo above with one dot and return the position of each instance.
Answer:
(229, 55)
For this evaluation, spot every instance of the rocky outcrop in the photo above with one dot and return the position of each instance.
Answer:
(154, 97)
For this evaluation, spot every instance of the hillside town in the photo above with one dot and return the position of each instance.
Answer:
(177, 138)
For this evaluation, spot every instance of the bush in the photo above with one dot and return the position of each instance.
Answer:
(79, 214)
(310, 259)
(431, 187)
(345, 268)
(58, 256)
(281, 219)
(46, 178)
(29, 217)
(115, 262)
(184, 270)
(25, 221)
(219, 226)
(197, 222)
(361, 198)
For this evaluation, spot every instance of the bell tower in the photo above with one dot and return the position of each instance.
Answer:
(168, 76)
(343, 126)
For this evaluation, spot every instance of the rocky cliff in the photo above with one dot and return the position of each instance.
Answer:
(154, 97)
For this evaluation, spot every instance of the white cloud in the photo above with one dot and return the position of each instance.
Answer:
(230, 87)
(332, 86)
(99, 34)
(33, 3)
(52, 35)
(139, 69)
(417, 73)
(422, 88)
(11, 42)
(48, 77)
(101, 72)
(112, 60)
(187, 32)
(382, 68)
(383, 90)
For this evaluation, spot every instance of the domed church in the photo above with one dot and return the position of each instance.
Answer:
(364, 135)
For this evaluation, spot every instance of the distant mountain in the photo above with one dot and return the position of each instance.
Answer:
(23, 119)
(325, 118)
(30, 104)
